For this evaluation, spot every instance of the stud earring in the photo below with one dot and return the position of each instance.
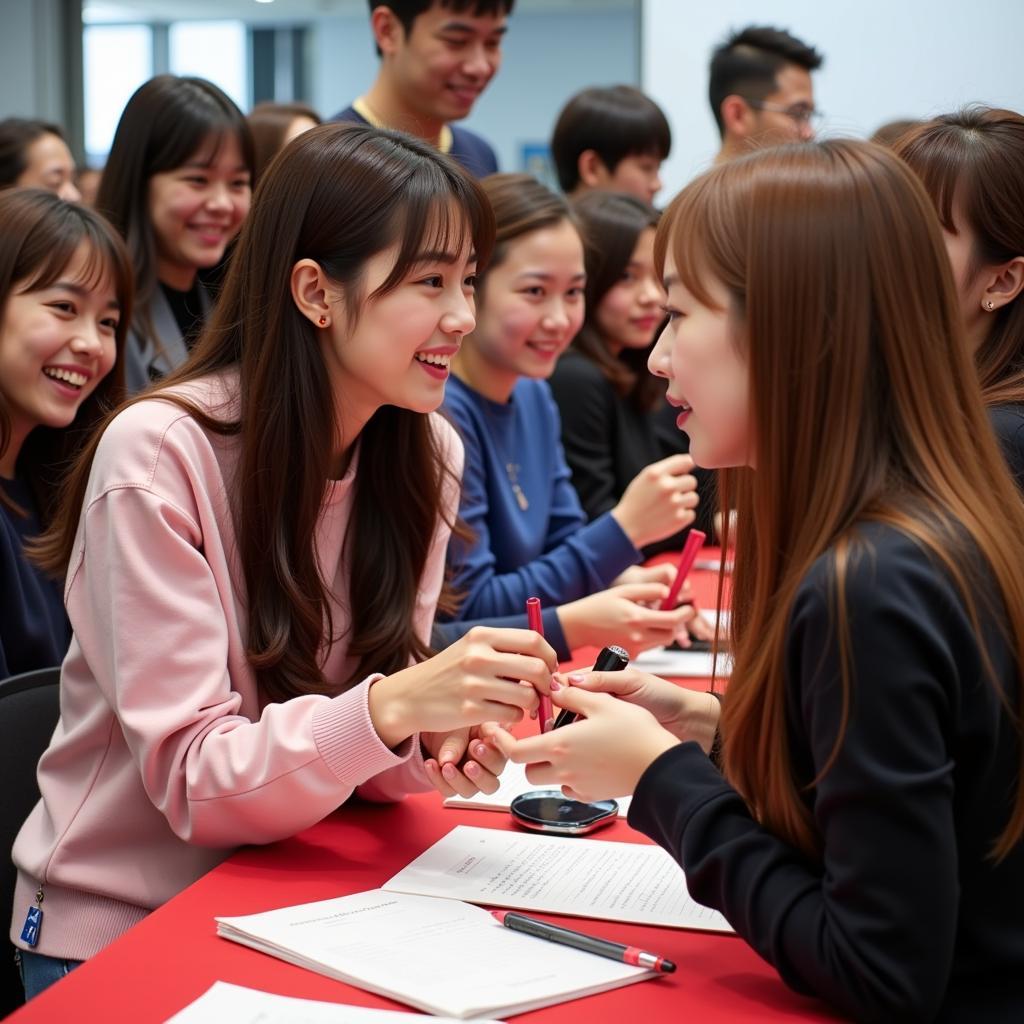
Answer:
(989, 305)
(322, 321)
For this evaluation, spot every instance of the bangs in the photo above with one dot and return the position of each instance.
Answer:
(938, 155)
(688, 226)
(441, 215)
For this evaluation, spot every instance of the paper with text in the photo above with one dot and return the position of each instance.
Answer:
(558, 875)
(234, 1004)
(513, 784)
(440, 955)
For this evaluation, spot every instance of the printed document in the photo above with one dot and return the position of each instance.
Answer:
(641, 884)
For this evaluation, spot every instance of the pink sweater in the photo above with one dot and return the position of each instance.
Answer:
(165, 757)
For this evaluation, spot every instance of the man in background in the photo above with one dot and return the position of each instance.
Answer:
(436, 58)
(761, 90)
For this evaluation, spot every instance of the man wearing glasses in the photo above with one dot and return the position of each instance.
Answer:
(761, 91)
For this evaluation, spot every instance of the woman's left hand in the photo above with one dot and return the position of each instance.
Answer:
(600, 756)
(464, 762)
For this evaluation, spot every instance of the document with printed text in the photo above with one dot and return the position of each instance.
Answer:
(558, 875)
(439, 955)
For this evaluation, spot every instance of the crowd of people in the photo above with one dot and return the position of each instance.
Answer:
(296, 413)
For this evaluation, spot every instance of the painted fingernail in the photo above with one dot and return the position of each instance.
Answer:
(576, 678)
(448, 771)
(555, 685)
(472, 769)
(479, 750)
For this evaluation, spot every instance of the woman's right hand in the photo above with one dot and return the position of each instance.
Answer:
(687, 714)
(658, 501)
(627, 615)
(489, 675)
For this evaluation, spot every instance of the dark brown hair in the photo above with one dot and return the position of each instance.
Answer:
(16, 135)
(610, 224)
(614, 121)
(269, 123)
(521, 205)
(40, 236)
(973, 160)
(339, 195)
(833, 248)
(407, 11)
(167, 121)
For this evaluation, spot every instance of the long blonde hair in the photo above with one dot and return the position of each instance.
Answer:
(864, 406)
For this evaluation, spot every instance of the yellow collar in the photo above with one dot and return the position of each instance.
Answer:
(444, 143)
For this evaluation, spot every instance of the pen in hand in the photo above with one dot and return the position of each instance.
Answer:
(586, 943)
(536, 623)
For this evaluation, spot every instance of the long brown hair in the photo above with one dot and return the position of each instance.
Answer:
(269, 123)
(41, 234)
(974, 160)
(843, 294)
(339, 195)
(610, 224)
(166, 121)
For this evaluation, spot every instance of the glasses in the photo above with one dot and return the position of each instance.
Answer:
(798, 112)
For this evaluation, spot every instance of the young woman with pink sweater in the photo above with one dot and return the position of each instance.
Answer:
(255, 553)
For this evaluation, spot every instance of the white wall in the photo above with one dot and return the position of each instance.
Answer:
(884, 59)
(547, 58)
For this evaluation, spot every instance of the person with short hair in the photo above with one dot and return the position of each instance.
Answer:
(613, 138)
(436, 58)
(761, 91)
(35, 154)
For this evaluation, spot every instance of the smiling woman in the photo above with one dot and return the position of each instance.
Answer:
(258, 546)
(177, 185)
(65, 291)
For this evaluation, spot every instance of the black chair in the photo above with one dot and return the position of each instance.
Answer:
(29, 710)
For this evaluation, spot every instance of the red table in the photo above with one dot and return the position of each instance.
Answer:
(174, 955)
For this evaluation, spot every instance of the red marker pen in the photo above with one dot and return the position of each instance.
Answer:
(588, 943)
(694, 542)
(536, 623)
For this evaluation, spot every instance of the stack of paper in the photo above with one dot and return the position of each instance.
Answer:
(223, 1002)
(440, 955)
(560, 875)
(513, 784)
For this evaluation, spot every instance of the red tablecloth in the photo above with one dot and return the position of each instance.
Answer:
(174, 955)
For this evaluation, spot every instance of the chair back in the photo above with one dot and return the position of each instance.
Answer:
(29, 710)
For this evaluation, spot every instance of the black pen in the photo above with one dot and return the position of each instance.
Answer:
(587, 943)
(611, 659)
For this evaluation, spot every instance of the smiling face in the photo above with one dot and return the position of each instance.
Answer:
(49, 165)
(443, 64)
(400, 345)
(630, 311)
(708, 376)
(531, 309)
(196, 209)
(56, 344)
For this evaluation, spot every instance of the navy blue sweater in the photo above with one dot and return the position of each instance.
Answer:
(34, 628)
(546, 550)
(468, 149)
(906, 917)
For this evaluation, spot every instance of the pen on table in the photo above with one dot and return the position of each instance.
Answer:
(536, 623)
(694, 542)
(587, 943)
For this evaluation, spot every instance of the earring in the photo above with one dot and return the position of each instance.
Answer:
(989, 305)
(322, 321)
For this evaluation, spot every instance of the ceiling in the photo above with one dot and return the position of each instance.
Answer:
(95, 11)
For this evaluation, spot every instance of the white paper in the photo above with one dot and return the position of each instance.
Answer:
(660, 661)
(513, 784)
(223, 1003)
(440, 955)
(558, 875)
